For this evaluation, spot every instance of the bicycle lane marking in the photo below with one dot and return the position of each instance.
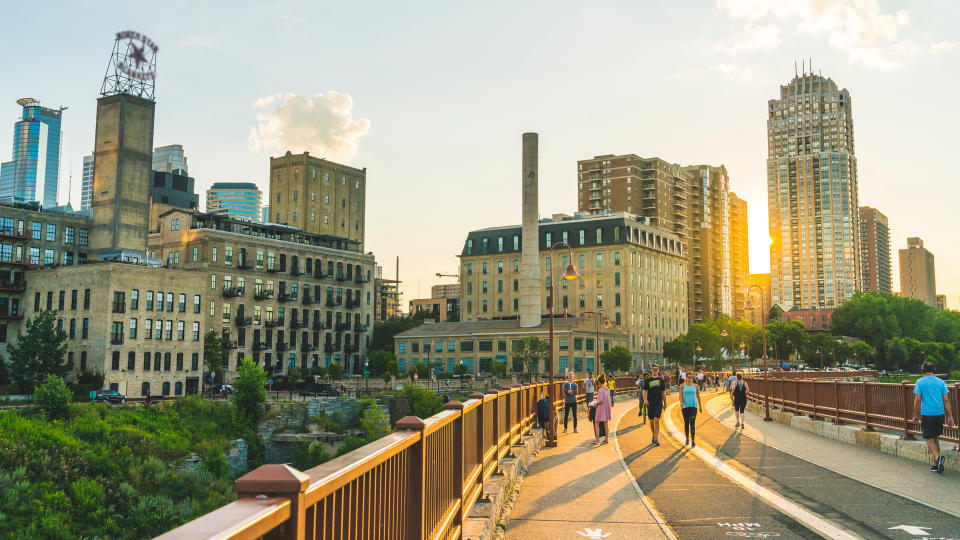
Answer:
(802, 515)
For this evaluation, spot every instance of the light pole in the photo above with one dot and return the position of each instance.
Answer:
(821, 358)
(650, 344)
(742, 347)
(366, 374)
(696, 353)
(569, 274)
(748, 305)
(724, 334)
(596, 345)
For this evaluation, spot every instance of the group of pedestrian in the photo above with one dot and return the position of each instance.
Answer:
(598, 398)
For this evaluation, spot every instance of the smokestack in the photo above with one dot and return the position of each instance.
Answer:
(530, 254)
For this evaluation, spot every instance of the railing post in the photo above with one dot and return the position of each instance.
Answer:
(813, 398)
(866, 407)
(479, 442)
(905, 397)
(836, 402)
(956, 411)
(415, 478)
(459, 445)
(279, 481)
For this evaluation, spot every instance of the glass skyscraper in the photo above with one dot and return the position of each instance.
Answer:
(34, 172)
(239, 200)
(812, 195)
(86, 185)
(170, 159)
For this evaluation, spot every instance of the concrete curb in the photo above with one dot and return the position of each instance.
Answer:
(857, 436)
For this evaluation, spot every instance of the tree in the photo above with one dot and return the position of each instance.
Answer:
(775, 312)
(384, 331)
(423, 402)
(53, 399)
(335, 371)
(617, 359)
(819, 346)
(380, 361)
(38, 352)
(863, 352)
(500, 369)
(215, 353)
(250, 394)
(530, 351)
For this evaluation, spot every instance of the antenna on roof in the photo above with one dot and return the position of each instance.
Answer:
(794, 68)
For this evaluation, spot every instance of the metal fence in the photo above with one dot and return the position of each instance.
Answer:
(886, 406)
(416, 483)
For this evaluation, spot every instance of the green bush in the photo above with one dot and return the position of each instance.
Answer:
(309, 455)
(53, 400)
(375, 423)
(423, 402)
(350, 444)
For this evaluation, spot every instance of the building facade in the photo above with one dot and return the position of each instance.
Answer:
(812, 194)
(941, 301)
(170, 159)
(33, 175)
(174, 189)
(761, 302)
(86, 183)
(874, 250)
(479, 345)
(814, 320)
(237, 200)
(283, 297)
(442, 307)
(446, 290)
(632, 271)
(387, 293)
(318, 196)
(739, 254)
(918, 277)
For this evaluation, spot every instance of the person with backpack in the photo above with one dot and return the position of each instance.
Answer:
(588, 387)
(642, 409)
(570, 390)
(738, 392)
(603, 408)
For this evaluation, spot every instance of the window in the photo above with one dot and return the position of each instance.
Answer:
(83, 237)
(149, 305)
(115, 361)
(73, 328)
(196, 303)
(213, 255)
(159, 300)
(133, 329)
(196, 253)
(196, 331)
(168, 330)
(85, 330)
(466, 346)
(35, 230)
(148, 330)
(62, 300)
(179, 367)
(134, 298)
(228, 255)
(180, 325)
(169, 301)
(183, 303)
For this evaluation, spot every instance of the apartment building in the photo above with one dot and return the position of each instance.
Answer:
(874, 250)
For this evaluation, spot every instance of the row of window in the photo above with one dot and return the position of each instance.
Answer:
(152, 329)
(155, 301)
(485, 365)
(150, 361)
(44, 231)
(36, 256)
(633, 235)
(563, 344)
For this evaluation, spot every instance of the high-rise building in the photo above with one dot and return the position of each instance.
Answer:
(170, 158)
(265, 214)
(941, 301)
(318, 195)
(386, 296)
(174, 189)
(874, 250)
(812, 195)
(739, 254)
(918, 277)
(691, 201)
(34, 172)
(239, 200)
(86, 183)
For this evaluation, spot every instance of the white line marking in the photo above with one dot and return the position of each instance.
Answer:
(809, 519)
(626, 470)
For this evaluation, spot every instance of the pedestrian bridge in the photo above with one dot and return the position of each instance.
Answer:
(766, 480)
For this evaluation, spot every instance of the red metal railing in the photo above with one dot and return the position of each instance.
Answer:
(886, 406)
(419, 482)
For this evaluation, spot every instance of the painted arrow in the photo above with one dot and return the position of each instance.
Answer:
(593, 533)
(912, 529)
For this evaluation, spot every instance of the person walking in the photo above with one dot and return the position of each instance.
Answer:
(690, 401)
(570, 389)
(592, 417)
(642, 409)
(603, 408)
(931, 403)
(738, 393)
(588, 387)
(655, 392)
(701, 379)
(611, 387)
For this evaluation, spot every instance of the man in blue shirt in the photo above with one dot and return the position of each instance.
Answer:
(931, 402)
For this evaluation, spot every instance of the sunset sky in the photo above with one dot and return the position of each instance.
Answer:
(432, 98)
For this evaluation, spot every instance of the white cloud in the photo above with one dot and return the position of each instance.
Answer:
(940, 47)
(743, 74)
(322, 125)
(859, 28)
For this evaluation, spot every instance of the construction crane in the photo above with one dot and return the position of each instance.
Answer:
(448, 275)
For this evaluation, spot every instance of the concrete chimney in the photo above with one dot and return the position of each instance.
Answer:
(530, 254)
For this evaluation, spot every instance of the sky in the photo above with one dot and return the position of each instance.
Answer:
(432, 98)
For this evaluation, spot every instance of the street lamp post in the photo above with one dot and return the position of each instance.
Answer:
(696, 353)
(596, 345)
(821, 358)
(569, 274)
(366, 375)
(724, 334)
(742, 354)
(748, 305)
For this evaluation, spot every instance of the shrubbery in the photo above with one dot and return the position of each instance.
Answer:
(53, 400)
(423, 401)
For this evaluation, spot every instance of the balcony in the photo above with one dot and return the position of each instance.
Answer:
(284, 346)
(285, 297)
(341, 277)
(342, 327)
(261, 346)
(317, 326)
(296, 272)
(232, 292)
(9, 233)
(360, 328)
(274, 323)
(119, 307)
(245, 265)
(12, 286)
(309, 300)
(263, 294)
(116, 339)
(11, 314)
(232, 345)
(354, 303)
(297, 324)
(334, 303)
(273, 269)
(307, 347)
(243, 321)
(348, 349)
(361, 279)
(331, 348)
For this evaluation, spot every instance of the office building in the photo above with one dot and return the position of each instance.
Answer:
(238, 200)
(941, 301)
(917, 274)
(441, 308)
(874, 250)
(86, 184)
(739, 254)
(446, 290)
(318, 196)
(174, 189)
(170, 159)
(265, 214)
(387, 293)
(33, 175)
(812, 195)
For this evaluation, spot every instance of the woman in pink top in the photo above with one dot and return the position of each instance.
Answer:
(603, 406)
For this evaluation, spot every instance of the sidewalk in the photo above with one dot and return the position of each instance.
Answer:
(579, 491)
(890, 473)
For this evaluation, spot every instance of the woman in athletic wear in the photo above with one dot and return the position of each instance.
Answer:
(738, 391)
(690, 401)
(602, 415)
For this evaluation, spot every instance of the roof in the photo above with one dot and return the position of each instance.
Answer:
(484, 327)
(234, 185)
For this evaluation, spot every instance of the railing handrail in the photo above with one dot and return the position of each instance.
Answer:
(243, 518)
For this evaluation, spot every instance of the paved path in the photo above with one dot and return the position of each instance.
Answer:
(580, 491)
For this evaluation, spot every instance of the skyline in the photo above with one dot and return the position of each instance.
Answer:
(390, 110)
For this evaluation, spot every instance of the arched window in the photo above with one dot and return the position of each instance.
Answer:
(329, 269)
(349, 271)
(166, 361)
(156, 361)
(144, 389)
(131, 361)
(283, 262)
(309, 269)
(294, 263)
(166, 389)
(358, 272)
(146, 361)
(178, 389)
(339, 270)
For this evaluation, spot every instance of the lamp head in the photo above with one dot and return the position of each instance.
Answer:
(571, 273)
(748, 305)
